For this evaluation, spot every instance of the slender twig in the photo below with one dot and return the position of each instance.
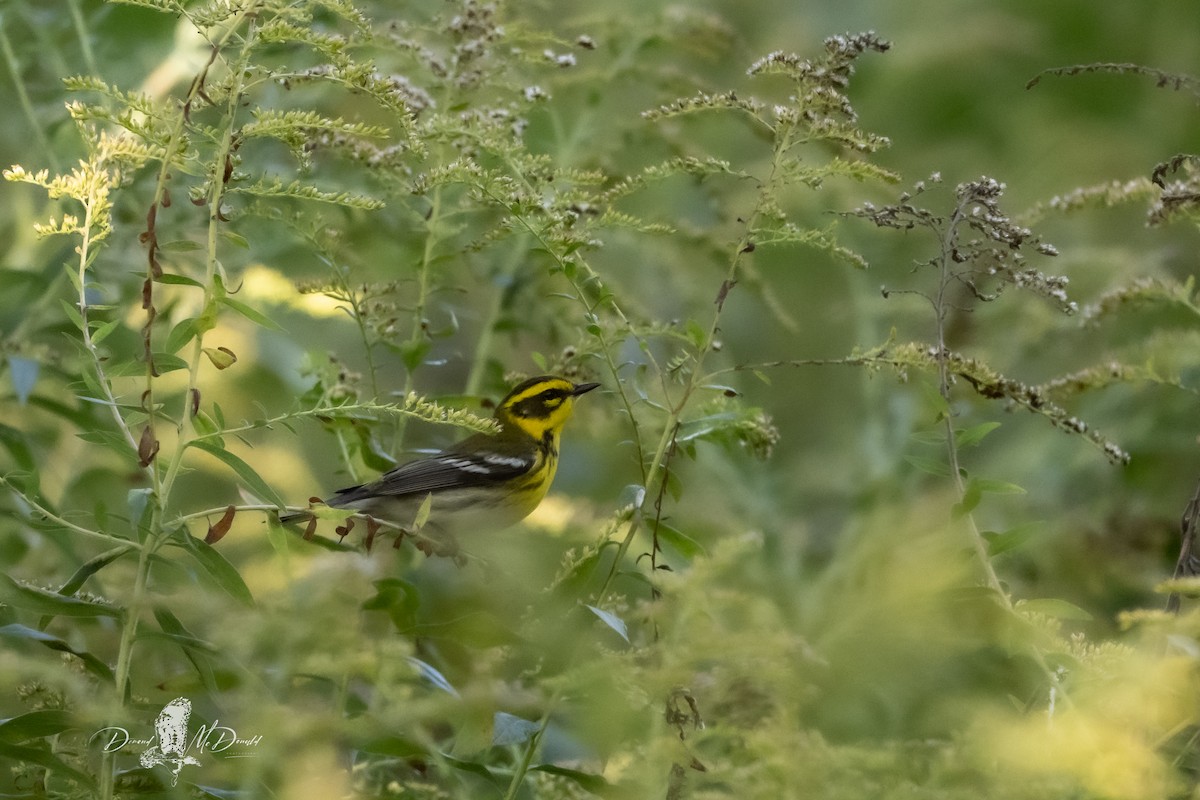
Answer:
(14, 70)
(84, 36)
(163, 483)
(522, 769)
(487, 330)
(64, 522)
(85, 257)
(943, 357)
(461, 419)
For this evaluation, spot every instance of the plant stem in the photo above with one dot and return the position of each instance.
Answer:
(655, 473)
(163, 484)
(518, 777)
(125, 660)
(941, 309)
(216, 191)
(14, 70)
(85, 41)
(487, 331)
(105, 386)
(65, 523)
(979, 545)
(419, 323)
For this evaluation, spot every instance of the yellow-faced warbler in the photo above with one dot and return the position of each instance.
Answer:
(489, 480)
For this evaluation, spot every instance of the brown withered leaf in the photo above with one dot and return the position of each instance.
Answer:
(218, 531)
(723, 292)
(147, 447)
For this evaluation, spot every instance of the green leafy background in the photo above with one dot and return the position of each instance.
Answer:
(816, 623)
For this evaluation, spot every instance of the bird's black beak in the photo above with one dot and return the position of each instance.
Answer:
(583, 388)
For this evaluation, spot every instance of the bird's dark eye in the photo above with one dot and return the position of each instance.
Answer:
(540, 404)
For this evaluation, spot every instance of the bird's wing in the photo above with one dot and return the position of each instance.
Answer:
(473, 462)
(1189, 560)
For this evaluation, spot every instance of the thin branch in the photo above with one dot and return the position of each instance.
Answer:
(65, 523)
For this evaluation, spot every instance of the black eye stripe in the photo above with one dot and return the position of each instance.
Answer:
(541, 402)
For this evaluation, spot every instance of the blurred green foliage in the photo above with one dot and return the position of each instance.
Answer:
(759, 574)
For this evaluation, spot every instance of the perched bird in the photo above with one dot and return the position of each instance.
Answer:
(489, 480)
(1188, 565)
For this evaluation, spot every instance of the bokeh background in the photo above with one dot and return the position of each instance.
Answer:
(841, 538)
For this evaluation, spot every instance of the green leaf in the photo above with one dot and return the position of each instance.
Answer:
(109, 439)
(706, 426)
(431, 674)
(392, 745)
(931, 465)
(172, 627)
(178, 280)
(686, 546)
(412, 353)
(934, 397)
(36, 725)
(611, 620)
(508, 729)
(970, 499)
(277, 535)
(596, 784)
(90, 662)
(928, 437)
(422, 516)
(235, 239)
(137, 500)
(206, 426)
(1053, 607)
(93, 566)
(252, 314)
(180, 335)
(1003, 541)
(371, 451)
(72, 312)
(244, 471)
(197, 651)
(14, 442)
(50, 603)
(168, 362)
(975, 434)
(101, 333)
(397, 598)
(17, 754)
(475, 769)
(222, 573)
(997, 487)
